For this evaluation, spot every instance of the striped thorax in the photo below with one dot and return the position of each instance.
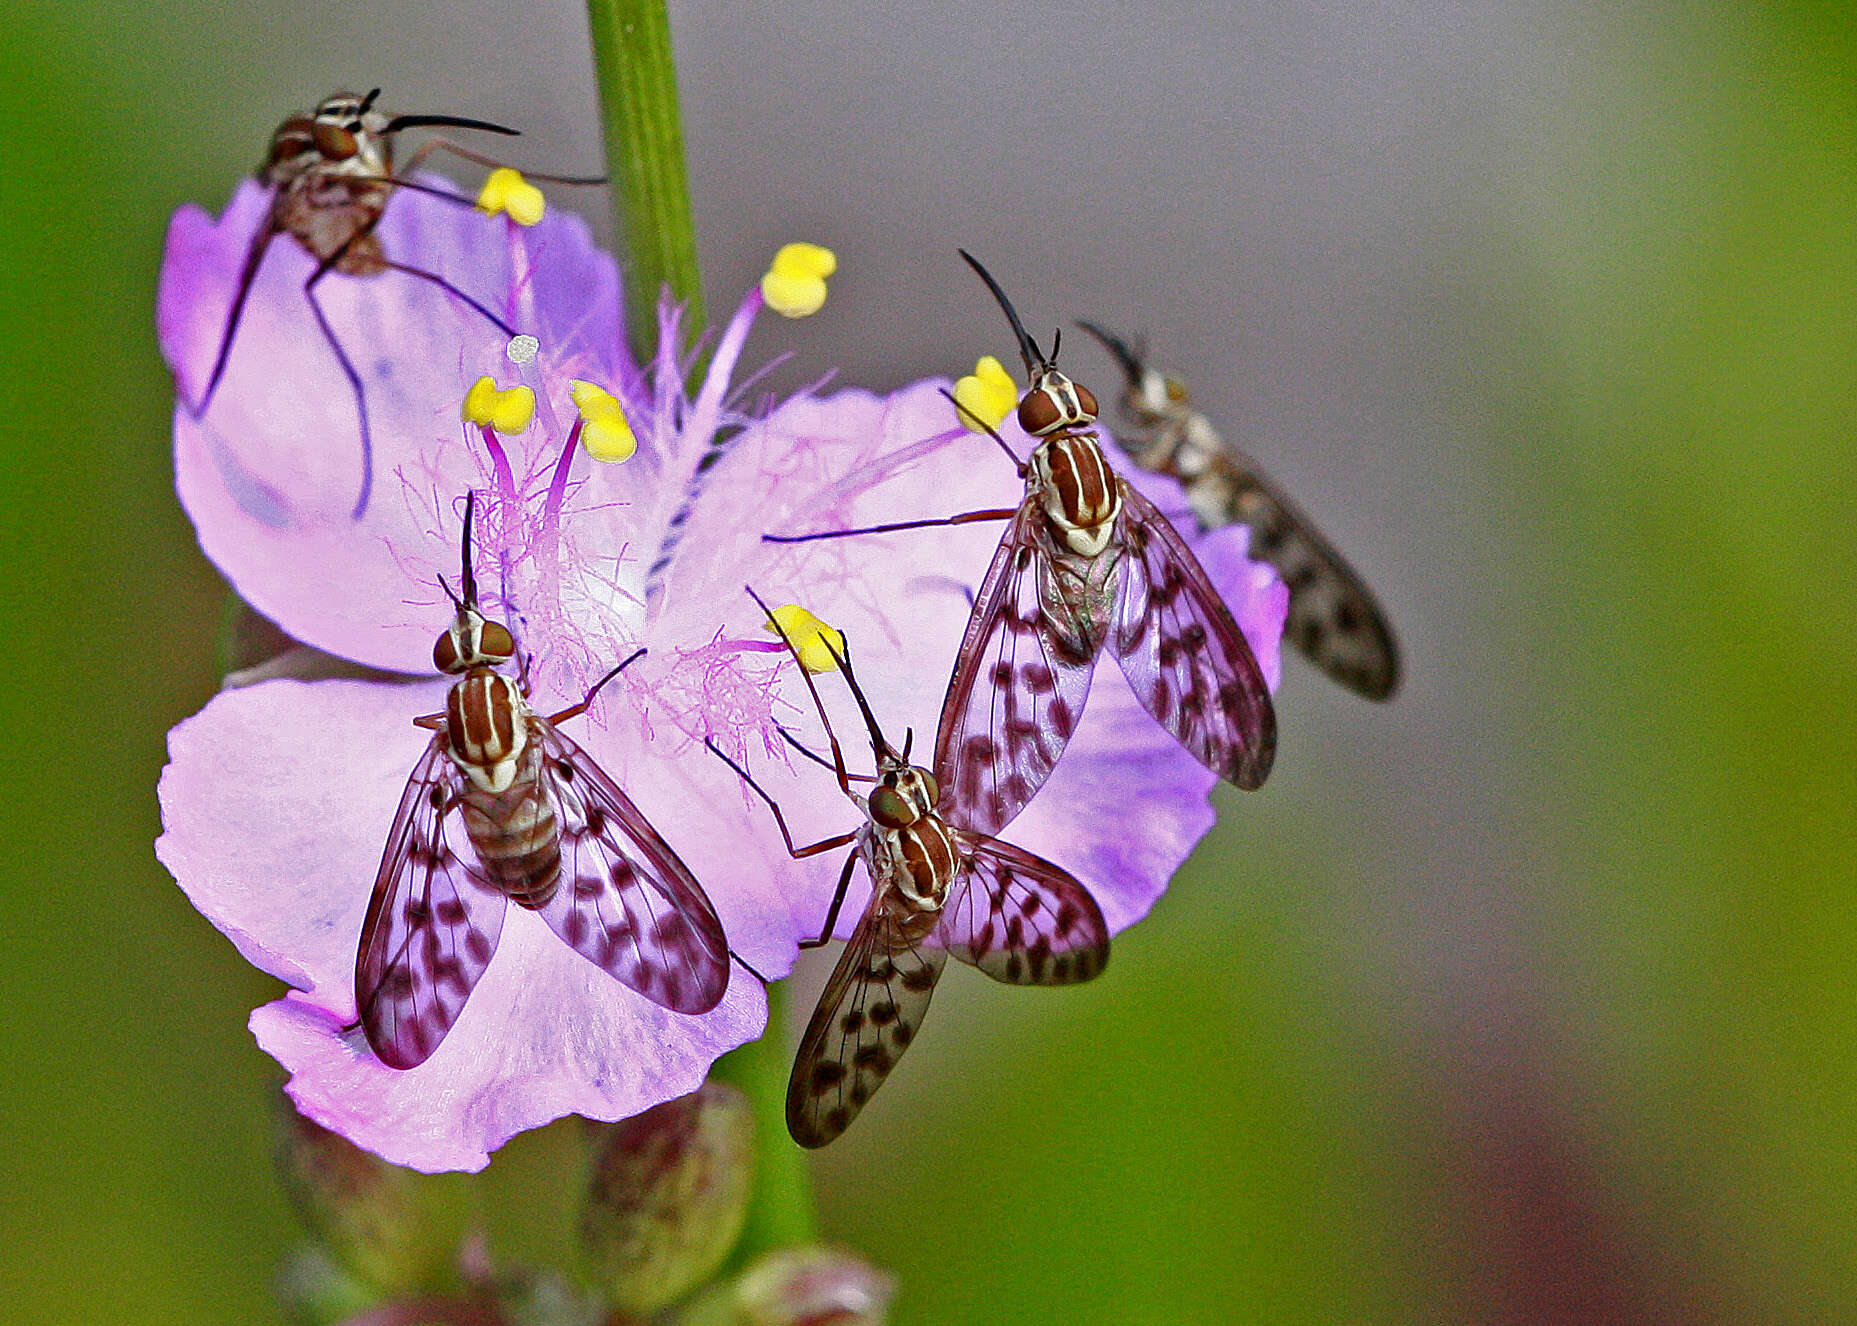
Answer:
(908, 846)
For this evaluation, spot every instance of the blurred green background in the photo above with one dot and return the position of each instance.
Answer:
(1528, 998)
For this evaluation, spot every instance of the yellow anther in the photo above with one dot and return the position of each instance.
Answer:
(988, 394)
(507, 191)
(507, 411)
(812, 639)
(604, 432)
(794, 286)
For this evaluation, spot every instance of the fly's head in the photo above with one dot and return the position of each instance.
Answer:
(344, 135)
(485, 714)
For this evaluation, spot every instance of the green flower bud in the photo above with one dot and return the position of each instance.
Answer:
(809, 1286)
(396, 1229)
(668, 1196)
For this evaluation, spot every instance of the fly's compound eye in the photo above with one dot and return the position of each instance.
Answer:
(1176, 390)
(333, 141)
(445, 655)
(1039, 412)
(1086, 401)
(495, 643)
(889, 809)
(930, 788)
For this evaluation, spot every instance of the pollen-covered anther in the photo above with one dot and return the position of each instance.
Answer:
(605, 432)
(506, 191)
(986, 395)
(794, 286)
(819, 646)
(506, 409)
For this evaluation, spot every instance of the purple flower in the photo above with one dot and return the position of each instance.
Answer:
(279, 794)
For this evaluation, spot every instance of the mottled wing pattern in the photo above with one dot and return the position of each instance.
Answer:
(1017, 691)
(431, 927)
(626, 902)
(1021, 919)
(870, 1012)
(1184, 656)
(1333, 619)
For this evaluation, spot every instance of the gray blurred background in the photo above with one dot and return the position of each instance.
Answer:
(1524, 998)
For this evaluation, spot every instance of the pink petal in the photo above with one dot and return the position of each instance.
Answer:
(271, 474)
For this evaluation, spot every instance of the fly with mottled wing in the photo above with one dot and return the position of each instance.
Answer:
(1334, 619)
(1086, 562)
(331, 174)
(504, 808)
(938, 886)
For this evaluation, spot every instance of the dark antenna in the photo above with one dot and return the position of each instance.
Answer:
(470, 581)
(1035, 362)
(400, 122)
(1118, 348)
(879, 747)
(367, 103)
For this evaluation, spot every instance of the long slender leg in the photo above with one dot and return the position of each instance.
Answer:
(819, 759)
(831, 913)
(575, 710)
(965, 518)
(247, 275)
(797, 853)
(432, 145)
(451, 290)
(354, 382)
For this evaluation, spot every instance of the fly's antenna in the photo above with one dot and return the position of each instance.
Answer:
(838, 759)
(1035, 361)
(469, 580)
(400, 122)
(1124, 355)
(367, 103)
(879, 747)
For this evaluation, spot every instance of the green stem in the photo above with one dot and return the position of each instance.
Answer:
(644, 152)
(780, 1213)
(644, 148)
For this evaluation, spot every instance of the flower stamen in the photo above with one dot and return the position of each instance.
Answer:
(818, 646)
(607, 435)
(507, 192)
(988, 394)
(794, 285)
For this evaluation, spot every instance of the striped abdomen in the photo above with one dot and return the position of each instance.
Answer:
(489, 730)
(516, 834)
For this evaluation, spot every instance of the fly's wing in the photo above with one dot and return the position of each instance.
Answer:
(1333, 619)
(625, 900)
(870, 1012)
(1184, 656)
(1017, 691)
(1020, 918)
(431, 927)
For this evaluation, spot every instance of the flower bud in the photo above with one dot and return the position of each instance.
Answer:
(394, 1228)
(809, 1286)
(668, 1196)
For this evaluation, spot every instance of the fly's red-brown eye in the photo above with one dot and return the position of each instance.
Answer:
(334, 142)
(930, 787)
(889, 809)
(1087, 399)
(445, 654)
(495, 643)
(1039, 413)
